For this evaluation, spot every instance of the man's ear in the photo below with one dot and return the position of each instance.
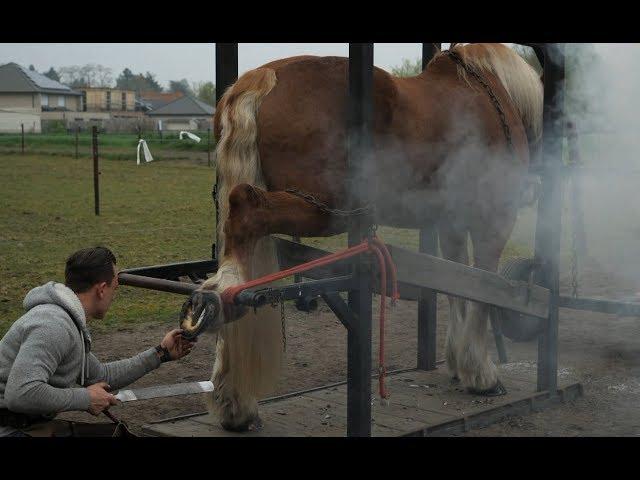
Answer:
(100, 289)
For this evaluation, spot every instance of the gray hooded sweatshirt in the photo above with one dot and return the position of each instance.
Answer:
(46, 360)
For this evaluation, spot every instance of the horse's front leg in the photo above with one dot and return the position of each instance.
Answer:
(249, 348)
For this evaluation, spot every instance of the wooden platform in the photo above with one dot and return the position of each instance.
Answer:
(421, 403)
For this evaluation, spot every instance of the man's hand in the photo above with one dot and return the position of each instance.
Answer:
(178, 347)
(100, 398)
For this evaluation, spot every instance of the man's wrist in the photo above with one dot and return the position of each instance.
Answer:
(163, 354)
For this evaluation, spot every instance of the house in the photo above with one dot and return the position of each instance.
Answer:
(111, 102)
(28, 97)
(185, 113)
(153, 100)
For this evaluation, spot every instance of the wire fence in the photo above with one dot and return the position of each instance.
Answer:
(77, 143)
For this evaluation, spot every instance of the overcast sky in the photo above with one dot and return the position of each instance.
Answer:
(174, 61)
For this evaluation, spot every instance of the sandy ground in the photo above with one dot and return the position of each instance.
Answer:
(600, 351)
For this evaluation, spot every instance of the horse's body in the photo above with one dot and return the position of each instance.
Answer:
(440, 157)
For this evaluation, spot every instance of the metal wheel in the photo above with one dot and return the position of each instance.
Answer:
(516, 326)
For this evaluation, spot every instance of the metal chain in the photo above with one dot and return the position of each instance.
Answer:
(274, 298)
(574, 243)
(574, 161)
(496, 103)
(284, 332)
(368, 209)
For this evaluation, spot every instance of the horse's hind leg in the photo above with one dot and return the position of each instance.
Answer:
(477, 371)
(453, 243)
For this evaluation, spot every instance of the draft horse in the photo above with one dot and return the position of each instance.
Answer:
(451, 149)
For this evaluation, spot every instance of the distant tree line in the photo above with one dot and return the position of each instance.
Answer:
(94, 75)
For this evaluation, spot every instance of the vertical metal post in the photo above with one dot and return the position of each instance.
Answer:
(96, 170)
(297, 277)
(427, 243)
(427, 306)
(77, 131)
(22, 127)
(428, 52)
(359, 152)
(549, 221)
(208, 146)
(226, 75)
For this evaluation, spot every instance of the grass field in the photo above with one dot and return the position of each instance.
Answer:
(159, 212)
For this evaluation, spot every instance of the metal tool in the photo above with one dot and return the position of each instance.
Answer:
(161, 391)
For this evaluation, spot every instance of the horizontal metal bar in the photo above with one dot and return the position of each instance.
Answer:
(159, 284)
(259, 297)
(175, 270)
(599, 305)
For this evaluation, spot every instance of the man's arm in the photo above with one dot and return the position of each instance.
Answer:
(123, 372)
(28, 391)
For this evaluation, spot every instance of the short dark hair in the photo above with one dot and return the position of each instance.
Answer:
(87, 267)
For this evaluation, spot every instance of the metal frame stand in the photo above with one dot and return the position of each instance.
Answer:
(357, 281)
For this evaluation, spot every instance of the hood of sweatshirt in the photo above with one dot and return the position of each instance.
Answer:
(61, 295)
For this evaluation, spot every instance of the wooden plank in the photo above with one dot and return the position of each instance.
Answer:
(434, 407)
(395, 415)
(179, 428)
(460, 280)
(381, 423)
(271, 428)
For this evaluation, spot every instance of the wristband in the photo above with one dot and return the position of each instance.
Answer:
(165, 356)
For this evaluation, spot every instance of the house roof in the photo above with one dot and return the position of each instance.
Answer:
(184, 106)
(158, 99)
(15, 78)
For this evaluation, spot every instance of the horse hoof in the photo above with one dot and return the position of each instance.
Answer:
(497, 390)
(200, 312)
(253, 425)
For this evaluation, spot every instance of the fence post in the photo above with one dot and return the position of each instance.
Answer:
(77, 132)
(96, 172)
(22, 127)
(208, 146)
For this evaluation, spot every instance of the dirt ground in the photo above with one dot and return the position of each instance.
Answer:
(600, 351)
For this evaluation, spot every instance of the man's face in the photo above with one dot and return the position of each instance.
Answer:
(105, 293)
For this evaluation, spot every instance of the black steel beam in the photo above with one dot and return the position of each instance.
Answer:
(226, 75)
(427, 307)
(549, 225)
(429, 50)
(159, 284)
(174, 270)
(359, 151)
(340, 309)
(428, 299)
(312, 288)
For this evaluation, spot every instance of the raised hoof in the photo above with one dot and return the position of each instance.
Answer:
(252, 425)
(497, 390)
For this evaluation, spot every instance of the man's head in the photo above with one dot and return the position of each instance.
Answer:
(91, 274)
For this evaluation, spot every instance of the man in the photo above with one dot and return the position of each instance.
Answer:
(46, 364)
